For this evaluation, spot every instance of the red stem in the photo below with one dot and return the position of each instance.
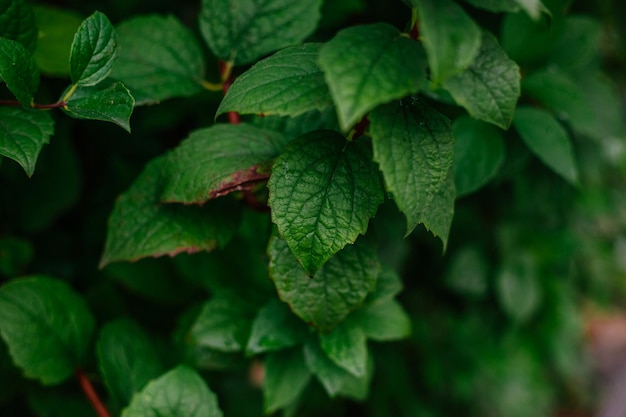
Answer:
(233, 117)
(361, 127)
(16, 103)
(91, 394)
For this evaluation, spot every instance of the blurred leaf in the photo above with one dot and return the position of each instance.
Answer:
(388, 285)
(578, 46)
(527, 41)
(18, 70)
(275, 327)
(286, 376)
(17, 22)
(467, 272)
(94, 51)
(292, 127)
(496, 5)
(518, 286)
(15, 254)
(346, 346)
(383, 322)
(534, 8)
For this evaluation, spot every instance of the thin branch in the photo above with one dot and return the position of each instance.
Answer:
(15, 103)
(91, 394)
(227, 79)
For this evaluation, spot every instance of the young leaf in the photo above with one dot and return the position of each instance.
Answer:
(490, 87)
(478, 154)
(159, 58)
(18, 70)
(46, 325)
(180, 392)
(275, 327)
(286, 376)
(414, 145)
(369, 65)
(346, 345)
(337, 288)
(17, 22)
(57, 28)
(547, 139)
(23, 132)
(323, 191)
(241, 31)
(382, 322)
(140, 227)
(451, 38)
(127, 359)
(94, 51)
(288, 83)
(107, 102)
(218, 160)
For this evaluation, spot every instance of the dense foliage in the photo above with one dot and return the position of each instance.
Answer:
(323, 207)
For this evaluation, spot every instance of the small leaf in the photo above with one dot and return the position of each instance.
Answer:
(337, 288)
(468, 272)
(547, 139)
(107, 102)
(140, 227)
(388, 285)
(242, 31)
(180, 392)
(288, 83)
(47, 327)
(490, 87)
(451, 38)
(323, 191)
(94, 51)
(382, 65)
(173, 65)
(23, 132)
(57, 28)
(382, 322)
(346, 345)
(286, 376)
(517, 285)
(18, 70)
(17, 23)
(218, 160)
(275, 327)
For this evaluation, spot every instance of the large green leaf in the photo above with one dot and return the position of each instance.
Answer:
(451, 38)
(414, 146)
(381, 65)
(47, 327)
(159, 58)
(94, 51)
(18, 70)
(275, 327)
(140, 227)
(23, 132)
(17, 22)
(286, 376)
(241, 31)
(323, 191)
(382, 322)
(490, 87)
(340, 286)
(180, 392)
(346, 346)
(547, 139)
(218, 160)
(287, 83)
(127, 359)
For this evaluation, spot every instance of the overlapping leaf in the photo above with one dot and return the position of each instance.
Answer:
(17, 22)
(286, 377)
(275, 327)
(18, 70)
(57, 28)
(382, 322)
(346, 346)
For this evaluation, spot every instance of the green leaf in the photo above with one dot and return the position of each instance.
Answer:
(94, 51)
(388, 285)
(286, 376)
(517, 286)
(57, 28)
(15, 254)
(288, 83)
(292, 127)
(468, 272)
(174, 66)
(241, 31)
(18, 70)
(578, 45)
(337, 288)
(528, 41)
(23, 132)
(383, 322)
(534, 8)
(478, 154)
(109, 102)
(451, 38)
(346, 346)
(46, 325)
(127, 359)
(490, 87)
(140, 227)
(414, 146)
(180, 392)
(382, 65)
(17, 22)
(547, 139)
(606, 108)
(323, 191)
(275, 327)
(496, 5)
(218, 160)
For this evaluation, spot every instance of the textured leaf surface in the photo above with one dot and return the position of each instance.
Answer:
(18, 70)
(46, 325)
(288, 83)
(451, 38)
(414, 145)
(346, 345)
(286, 376)
(382, 322)
(547, 139)
(275, 327)
(94, 50)
(323, 191)
(23, 132)
(107, 102)
(241, 31)
(127, 359)
(218, 160)
(337, 288)
(57, 28)
(159, 58)
(490, 87)
(140, 227)
(17, 22)
(180, 392)
(381, 65)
